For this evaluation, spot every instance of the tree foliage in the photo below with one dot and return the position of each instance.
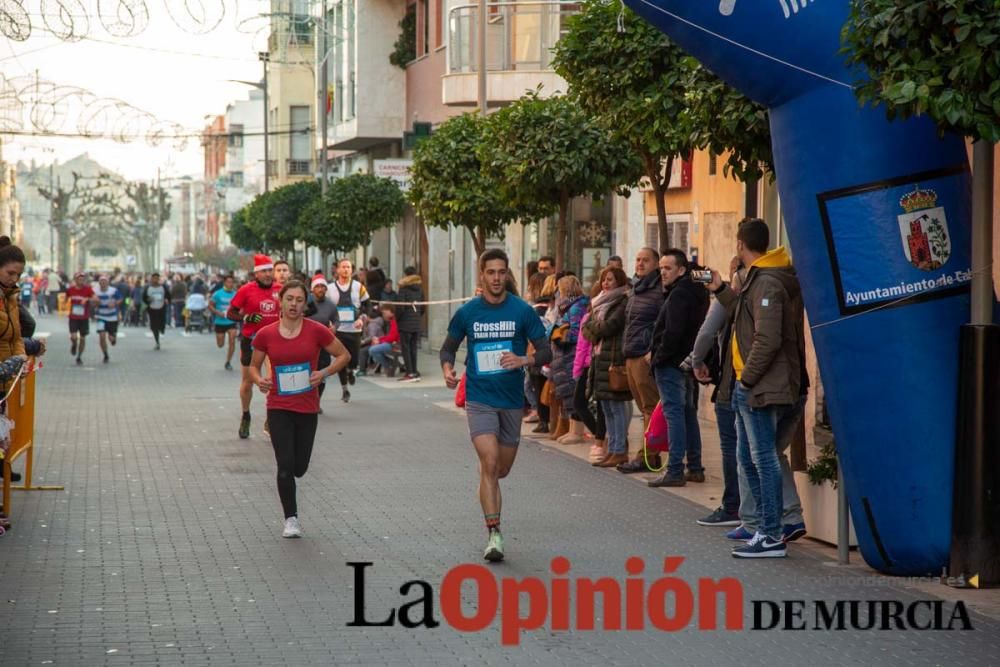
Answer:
(544, 152)
(273, 217)
(354, 208)
(939, 57)
(656, 97)
(404, 51)
(240, 233)
(449, 187)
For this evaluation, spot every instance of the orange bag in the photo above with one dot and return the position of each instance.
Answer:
(460, 393)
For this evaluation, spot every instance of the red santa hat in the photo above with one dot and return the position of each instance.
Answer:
(319, 280)
(262, 263)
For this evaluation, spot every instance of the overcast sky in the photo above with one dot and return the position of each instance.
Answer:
(167, 71)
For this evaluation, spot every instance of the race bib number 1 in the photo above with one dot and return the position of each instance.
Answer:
(292, 379)
(488, 357)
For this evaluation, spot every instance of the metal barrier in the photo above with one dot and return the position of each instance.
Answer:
(21, 409)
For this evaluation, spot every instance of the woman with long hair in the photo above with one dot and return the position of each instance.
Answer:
(606, 331)
(292, 345)
(572, 305)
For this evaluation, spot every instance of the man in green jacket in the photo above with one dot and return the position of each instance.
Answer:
(767, 351)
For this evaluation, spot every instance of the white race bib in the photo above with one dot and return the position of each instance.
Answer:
(345, 315)
(292, 379)
(488, 357)
(78, 310)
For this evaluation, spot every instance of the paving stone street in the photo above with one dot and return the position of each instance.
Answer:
(166, 549)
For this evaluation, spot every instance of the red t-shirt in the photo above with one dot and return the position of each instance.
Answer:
(79, 301)
(294, 359)
(253, 299)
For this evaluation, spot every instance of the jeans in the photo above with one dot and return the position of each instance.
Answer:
(409, 340)
(756, 433)
(791, 510)
(679, 395)
(731, 492)
(615, 416)
(380, 355)
(292, 436)
(178, 310)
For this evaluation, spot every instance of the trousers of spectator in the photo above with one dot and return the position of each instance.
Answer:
(757, 451)
(679, 395)
(409, 341)
(530, 394)
(789, 417)
(158, 322)
(178, 310)
(596, 424)
(292, 436)
(616, 416)
(543, 410)
(323, 362)
(380, 355)
(732, 490)
(352, 341)
(643, 387)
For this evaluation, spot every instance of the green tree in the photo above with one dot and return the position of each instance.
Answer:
(353, 209)
(449, 187)
(545, 152)
(939, 57)
(657, 98)
(240, 233)
(273, 216)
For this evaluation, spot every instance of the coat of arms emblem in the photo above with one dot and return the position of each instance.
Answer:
(924, 230)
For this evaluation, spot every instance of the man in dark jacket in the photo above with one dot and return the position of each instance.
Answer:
(767, 349)
(410, 321)
(644, 303)
(673, 339)
(375, 282)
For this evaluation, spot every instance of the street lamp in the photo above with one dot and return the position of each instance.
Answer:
(265, 58)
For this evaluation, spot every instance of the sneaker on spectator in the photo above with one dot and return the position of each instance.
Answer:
(532, 418)
(740, 533)
(792, 532)
(720, 518)
(761, 546)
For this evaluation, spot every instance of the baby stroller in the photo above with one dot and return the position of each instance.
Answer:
(196, 309)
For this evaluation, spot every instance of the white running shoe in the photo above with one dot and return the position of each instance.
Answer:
(292, 527)
(494, 548)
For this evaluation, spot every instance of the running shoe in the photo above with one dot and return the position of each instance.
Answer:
(346, 396)
(412, 377)
(292, 527)
(228, 366)
(79, 361)
(494, 548)
(740, 533)
(106, 358)
(245, 427)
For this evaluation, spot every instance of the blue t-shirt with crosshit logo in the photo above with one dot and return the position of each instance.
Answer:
(490, 330)
(221, 299)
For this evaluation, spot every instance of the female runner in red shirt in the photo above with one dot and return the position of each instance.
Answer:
(292, 345)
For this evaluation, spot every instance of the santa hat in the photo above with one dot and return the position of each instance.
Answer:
(262, 263)
(319, 280)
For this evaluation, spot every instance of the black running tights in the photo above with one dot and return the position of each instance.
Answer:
(292, 435)
(352, 341)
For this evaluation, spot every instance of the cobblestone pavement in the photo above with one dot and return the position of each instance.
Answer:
(165, 547)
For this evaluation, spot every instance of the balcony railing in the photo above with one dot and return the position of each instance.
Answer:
(519, 35)
(299, 167)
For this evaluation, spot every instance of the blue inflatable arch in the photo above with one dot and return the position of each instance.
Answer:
(878, 217)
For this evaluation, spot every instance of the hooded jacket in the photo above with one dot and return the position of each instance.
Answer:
(767, 346)
(11, 342)
(678, 322)
(408, 318)
(643, 306)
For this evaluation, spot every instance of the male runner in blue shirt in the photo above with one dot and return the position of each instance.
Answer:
(498, 327)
